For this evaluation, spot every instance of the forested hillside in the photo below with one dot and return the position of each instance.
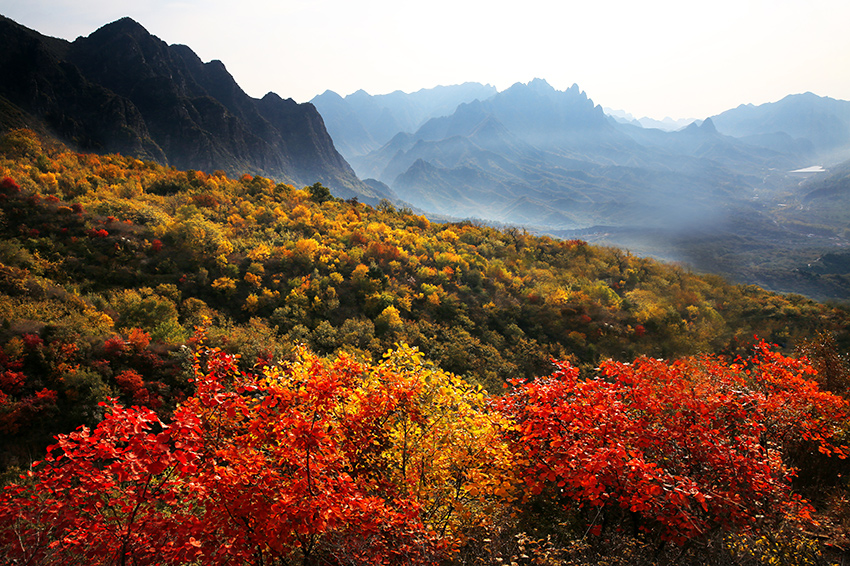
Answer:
(387, 374)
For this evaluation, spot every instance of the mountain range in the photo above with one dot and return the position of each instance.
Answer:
(360, 122)
(668, 124)
(536, 156)
(122, 89)
(805, 123)
(732, 194)
(729, 193)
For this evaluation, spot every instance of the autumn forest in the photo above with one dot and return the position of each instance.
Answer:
(201, 369)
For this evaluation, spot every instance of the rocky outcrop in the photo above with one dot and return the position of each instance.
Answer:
(124, 90)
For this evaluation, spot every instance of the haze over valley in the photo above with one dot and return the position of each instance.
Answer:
(478, 323)
(721, 193)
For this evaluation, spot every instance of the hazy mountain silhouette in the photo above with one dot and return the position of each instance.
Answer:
(668, 124)
(122, 89)
(537, 156)
(360, 122)
(799, 122)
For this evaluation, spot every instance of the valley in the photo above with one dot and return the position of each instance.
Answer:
(460, 326)
(728, 194)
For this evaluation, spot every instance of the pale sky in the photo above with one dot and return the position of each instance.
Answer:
(656, 58)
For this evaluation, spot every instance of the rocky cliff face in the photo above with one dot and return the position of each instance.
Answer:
(43, 91)
(122, 89)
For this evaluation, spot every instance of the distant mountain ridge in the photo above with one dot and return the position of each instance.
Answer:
(667, 124)
(805, 122)
(536, 156)
(122, 89)
(360, 122)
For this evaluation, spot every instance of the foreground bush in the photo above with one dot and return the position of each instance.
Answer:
(309, 463)
(339, 462)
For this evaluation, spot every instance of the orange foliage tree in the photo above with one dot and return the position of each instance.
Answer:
(339, 462)
(313, 462)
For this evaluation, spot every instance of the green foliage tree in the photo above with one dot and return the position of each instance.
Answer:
(319, 193)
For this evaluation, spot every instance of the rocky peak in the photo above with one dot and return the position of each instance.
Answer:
(540, 86)
(707, 127)
(123, 89)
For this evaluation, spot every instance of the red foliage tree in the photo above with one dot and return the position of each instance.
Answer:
(114, 495)
(8, 185)
(100, 233)
(114, 346)
(133, 386)
(251, 470)
(138, 339)
(281, 482)
(32, 341)
(684, 448)
(18, 414)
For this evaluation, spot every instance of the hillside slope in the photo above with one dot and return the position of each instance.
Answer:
(124, 282)
(122, 89)
(96, 249)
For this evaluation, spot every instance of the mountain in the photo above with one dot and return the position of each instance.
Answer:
(361, 122)
(668, 124)
(124, 90)
(41, 90)
(554, 162)
(531, 143)
(807, 122)
(545, 117)
(536, 156)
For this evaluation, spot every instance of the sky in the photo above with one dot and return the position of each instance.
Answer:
(656, 58)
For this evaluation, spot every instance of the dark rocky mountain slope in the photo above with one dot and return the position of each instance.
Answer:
(124, 90)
